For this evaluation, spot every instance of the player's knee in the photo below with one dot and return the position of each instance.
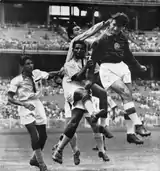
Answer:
(81, 94)
(78, 94)
(95, 128)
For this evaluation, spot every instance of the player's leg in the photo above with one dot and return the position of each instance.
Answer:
(99, 139)
(100, 93)
(35, 143)
(29, 119)
(84, 96)
(68, 134)
(113, 76)
(42, 135)
(105, 121)
(41, 121)
(139, 129)
(41, 129)
(73, 142)
(130, 115)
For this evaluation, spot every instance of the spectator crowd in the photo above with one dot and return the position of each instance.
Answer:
(49, 39)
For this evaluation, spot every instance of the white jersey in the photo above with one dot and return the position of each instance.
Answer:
(23, 86)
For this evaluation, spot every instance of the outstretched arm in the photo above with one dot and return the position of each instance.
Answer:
(52, 74)
(90, 32)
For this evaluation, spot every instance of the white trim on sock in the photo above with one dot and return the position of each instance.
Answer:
(128, 105)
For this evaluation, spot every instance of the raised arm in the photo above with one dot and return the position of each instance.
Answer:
(90, 32)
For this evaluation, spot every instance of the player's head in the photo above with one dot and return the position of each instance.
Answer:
(79, 49)
(27, 63)
(118, 23)
(73, 31)
(76, 31)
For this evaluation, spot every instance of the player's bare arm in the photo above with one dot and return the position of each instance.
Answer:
(14, 101)
(52, 74)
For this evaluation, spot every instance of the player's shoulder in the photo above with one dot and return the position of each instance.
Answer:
(17, 79)
(70, 63)
(37, 73)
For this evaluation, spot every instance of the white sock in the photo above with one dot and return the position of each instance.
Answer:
(105, 121)
(130, 127)
(99, 140)
(129, 107)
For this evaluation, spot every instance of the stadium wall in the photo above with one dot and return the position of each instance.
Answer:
(9, 63)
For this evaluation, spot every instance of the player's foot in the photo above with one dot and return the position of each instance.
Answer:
(57, 156)
(105, 131)
(104, 156)
(33, 161)
(132, 138)
(76, 157)
(101, 114)
(142, 131)
(43, 167)
(96, 148)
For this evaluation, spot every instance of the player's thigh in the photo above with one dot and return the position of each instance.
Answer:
(98, 91)
(129, 85)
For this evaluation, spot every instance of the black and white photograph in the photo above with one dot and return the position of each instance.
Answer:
(79, 85)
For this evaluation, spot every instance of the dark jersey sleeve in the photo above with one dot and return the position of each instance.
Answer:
(129, 59)
(97, 48)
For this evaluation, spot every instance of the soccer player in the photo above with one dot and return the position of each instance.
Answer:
(24, 91)
(79, 98)
(76, 34)
(111, 49)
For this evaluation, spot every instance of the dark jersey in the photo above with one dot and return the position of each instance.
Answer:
(113, 49)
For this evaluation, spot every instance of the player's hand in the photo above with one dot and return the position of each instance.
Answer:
(89, 63)
(143, 68)
(88, 84)
(29, 106)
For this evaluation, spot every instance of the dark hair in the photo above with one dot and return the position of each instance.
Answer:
(23, 59)
(121, 19)
(70, 29)
(79, 42)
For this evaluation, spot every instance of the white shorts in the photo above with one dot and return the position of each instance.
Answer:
(67, 108)
(38, 115)
(111, 72)
(69, 90)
